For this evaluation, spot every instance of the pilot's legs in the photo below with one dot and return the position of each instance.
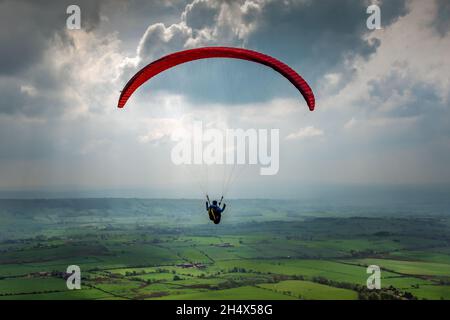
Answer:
(217, 219)
(211, 215)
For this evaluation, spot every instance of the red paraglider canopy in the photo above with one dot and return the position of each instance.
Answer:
(177, 58)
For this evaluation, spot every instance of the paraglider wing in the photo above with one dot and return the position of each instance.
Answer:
(177, 58)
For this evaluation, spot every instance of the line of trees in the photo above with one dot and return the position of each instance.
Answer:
(389, 293)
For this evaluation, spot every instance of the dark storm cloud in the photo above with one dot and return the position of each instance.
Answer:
(442, 21)
(27, 27)
(318, 35)
(314, 37)
(27, 34)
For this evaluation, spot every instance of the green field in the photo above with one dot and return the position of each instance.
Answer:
(241, 293)
(126, 249)
(410, 267)
(310, 291)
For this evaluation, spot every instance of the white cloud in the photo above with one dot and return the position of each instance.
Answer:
(159, 40)
(303, 133)
(87, 71)
(29, 90)
(271, 111)
(159, 129)
(333, 78)
(203, 22)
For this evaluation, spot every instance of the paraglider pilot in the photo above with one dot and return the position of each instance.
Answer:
(214, 210)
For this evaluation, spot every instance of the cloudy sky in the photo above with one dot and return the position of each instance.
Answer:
(382, 116)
